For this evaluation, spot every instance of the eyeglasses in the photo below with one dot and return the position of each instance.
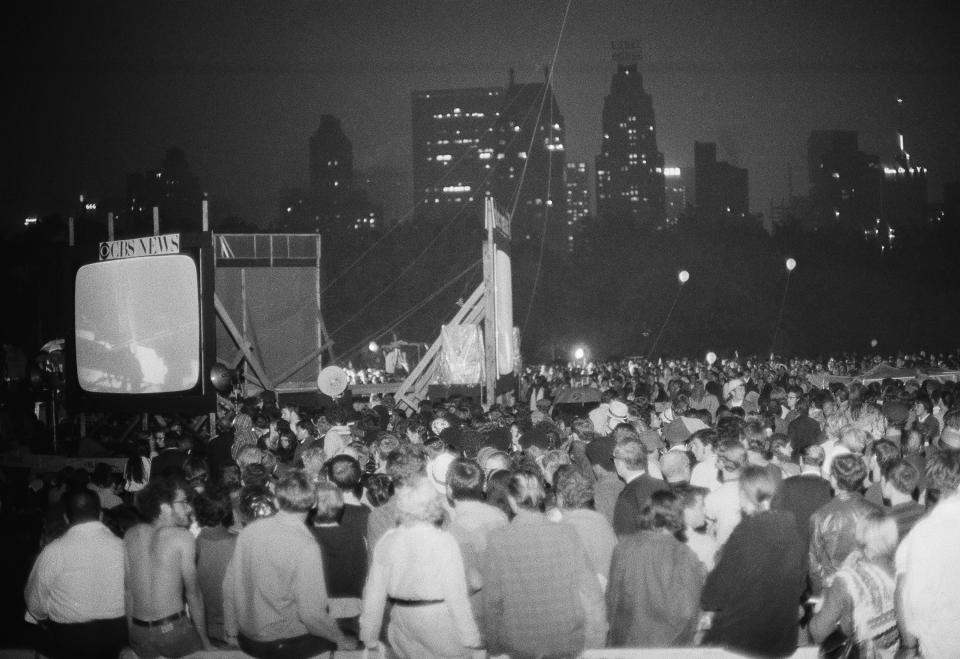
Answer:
(183, 501)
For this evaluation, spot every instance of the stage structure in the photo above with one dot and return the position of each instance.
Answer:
(462, 355)
(267, 299)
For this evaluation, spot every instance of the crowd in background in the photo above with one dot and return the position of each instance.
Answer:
(728, 503)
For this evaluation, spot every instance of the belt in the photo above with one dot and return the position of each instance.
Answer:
(397, 601)
(161, 621)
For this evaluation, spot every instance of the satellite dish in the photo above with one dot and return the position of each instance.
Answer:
(332, 381)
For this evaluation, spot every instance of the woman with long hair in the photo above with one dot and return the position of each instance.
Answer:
(136, 473)
(861, 598)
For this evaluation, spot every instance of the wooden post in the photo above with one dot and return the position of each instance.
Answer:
(156, 221)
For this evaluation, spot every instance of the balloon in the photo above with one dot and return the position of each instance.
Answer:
(791, 264)
(684, 276)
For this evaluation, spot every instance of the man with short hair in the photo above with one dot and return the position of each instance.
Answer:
(630, 461)
(833, 526)
(898, 483)
(607, 488)
(405, 464)
(473, 521)
(802, 430)
(274, 592)
(804, 494)
(76, 589)
(161, 572)
(925, 421)
(102, 482)
(703, 445)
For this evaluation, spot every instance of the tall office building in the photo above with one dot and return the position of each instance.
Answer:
(332, 204)
(904, 188)
(844, 181)
(529, 148)
(173, 189)
(331, 162)
(578, 201)
(453, 154)
(675, 194)
(630, 183)
(721, 189)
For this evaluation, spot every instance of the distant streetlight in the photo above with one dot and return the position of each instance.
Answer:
(684, 277)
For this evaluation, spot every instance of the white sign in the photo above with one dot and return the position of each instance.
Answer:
(147, 246)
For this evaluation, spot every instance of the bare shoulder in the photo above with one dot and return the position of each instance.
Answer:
(175, 536)
(137, 534)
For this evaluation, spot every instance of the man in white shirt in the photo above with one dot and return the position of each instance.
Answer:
(76, 587)
(927, 579)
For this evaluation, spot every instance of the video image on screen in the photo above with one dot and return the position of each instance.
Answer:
(137, 325)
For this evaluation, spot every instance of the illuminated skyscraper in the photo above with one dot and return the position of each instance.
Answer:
(675, 200)
(578, 201)
(453, 155)
(530, 163)
(630, 183)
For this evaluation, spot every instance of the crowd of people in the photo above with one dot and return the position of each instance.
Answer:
(732, 503)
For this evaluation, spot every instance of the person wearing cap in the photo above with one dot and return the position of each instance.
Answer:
(598, 415)
(630, 461)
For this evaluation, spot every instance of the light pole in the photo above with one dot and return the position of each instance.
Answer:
(682, 278)
(790, 264)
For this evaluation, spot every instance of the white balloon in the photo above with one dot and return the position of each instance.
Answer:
(873, 343)
(578, 353)
(791, 264)
(373, 347)
(684, 276)
(711, 357)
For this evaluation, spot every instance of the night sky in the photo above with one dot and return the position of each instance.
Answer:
(100, 89)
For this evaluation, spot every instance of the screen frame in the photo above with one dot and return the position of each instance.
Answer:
(201, 398)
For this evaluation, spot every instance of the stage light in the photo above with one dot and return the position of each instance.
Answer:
(683, 276)
(221, 377)
(791, 264)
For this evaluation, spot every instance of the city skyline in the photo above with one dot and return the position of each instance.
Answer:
(241, 88)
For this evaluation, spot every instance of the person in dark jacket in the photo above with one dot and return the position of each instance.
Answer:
(754, 592)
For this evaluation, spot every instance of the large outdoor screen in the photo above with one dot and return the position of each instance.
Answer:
(137, 325)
